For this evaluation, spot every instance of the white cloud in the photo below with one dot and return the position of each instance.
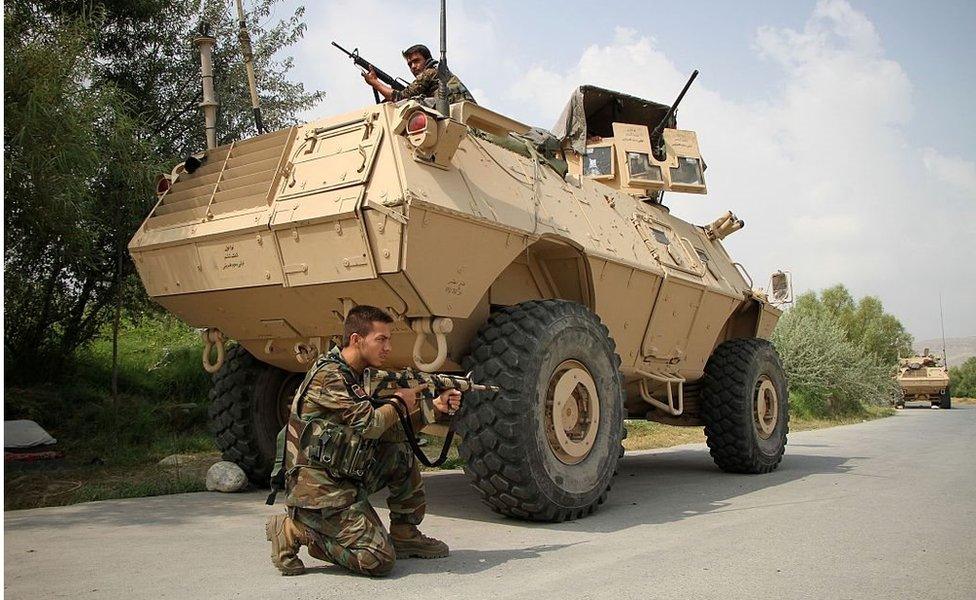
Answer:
(821, 170)
(956, 172)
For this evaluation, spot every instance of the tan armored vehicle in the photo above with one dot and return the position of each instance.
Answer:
(923, 379)
(545, 264)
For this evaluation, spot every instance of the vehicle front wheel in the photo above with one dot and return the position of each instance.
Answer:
(945, 401)
(545, 447)
(745, 406)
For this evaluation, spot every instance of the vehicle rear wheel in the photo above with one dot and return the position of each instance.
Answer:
(945, 401)
(545, 447)
(745, 406)
(249, 405)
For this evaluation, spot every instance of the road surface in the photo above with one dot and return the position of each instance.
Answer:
(884, 509)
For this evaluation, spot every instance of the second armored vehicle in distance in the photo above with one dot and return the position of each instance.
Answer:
(923, 379)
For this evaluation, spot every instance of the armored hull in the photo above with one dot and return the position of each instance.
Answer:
(489, 258)
(274, 236)
(922, 379)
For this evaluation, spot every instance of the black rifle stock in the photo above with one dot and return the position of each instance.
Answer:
(365, 65)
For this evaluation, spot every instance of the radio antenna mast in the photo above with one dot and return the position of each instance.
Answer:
(443, 106)
(945, 357)
(245, 40)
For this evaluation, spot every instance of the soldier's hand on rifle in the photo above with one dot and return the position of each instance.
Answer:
(448, 402)
(410, 396)
(370, 77)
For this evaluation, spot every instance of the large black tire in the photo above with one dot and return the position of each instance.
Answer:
(246, 411)
(525, 349)
(945, 400)
(734, 376)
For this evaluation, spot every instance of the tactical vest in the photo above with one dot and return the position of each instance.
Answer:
(317, 443)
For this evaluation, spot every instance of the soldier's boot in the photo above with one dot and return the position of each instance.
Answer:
(409, 542)
(286, 538)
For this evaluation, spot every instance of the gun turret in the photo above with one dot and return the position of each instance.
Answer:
(657, 136)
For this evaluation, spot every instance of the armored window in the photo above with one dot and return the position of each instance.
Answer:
(640, 167)
(688, 172)
(702, 255)
(660, 236)
(598, 162)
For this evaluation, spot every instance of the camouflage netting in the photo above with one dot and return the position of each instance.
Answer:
(591, 111)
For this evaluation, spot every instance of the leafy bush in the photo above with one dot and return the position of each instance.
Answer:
(963, 379)
(829, 375)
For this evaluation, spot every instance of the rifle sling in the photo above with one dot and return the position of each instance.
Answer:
(405, 421)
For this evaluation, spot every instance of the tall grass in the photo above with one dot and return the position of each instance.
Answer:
(160, 408)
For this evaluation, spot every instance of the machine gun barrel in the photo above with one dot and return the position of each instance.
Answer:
(657, 136)
(364, 64)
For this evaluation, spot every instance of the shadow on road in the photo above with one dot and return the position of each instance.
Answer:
(649, 488)
(460, 562)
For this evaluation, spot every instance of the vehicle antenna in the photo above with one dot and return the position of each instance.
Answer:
(945, 357)
(205, 43)
(245, 40)
(443, 106)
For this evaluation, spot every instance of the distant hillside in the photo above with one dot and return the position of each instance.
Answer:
(957, 349)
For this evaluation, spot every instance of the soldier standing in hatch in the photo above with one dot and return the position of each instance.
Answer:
(424, 69)
(328, 512)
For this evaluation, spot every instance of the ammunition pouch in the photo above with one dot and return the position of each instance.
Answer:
(341, 451)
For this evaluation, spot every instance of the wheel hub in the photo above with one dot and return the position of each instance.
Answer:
(766, 402)
(572, 412)
(286, 393)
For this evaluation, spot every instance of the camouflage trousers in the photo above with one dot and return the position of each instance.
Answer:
(353, 536)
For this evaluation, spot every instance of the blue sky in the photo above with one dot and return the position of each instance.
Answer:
(840, 130)
(935, 42)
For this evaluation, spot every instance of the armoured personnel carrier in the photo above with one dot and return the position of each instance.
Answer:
(923, 379)
(545, 263)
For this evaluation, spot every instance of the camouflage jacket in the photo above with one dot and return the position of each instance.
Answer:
(425, 86)
(328, 397)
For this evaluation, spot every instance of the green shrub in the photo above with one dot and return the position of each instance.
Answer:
(962, 379)
(829, 375)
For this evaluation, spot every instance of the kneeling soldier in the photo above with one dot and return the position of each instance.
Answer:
(339, 448)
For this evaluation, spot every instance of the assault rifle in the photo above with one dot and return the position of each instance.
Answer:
(380, 385)
(365, 65)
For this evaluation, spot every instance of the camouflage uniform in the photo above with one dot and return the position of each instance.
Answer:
(425, 86)
(335, 511)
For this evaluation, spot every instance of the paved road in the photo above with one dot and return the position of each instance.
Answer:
(885, 509)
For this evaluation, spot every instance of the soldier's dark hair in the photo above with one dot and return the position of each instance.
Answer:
(360, 320)
(423, 50)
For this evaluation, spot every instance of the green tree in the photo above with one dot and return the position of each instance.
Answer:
(826, 370)
(864, 322)
(962, 379)
(100, 96)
